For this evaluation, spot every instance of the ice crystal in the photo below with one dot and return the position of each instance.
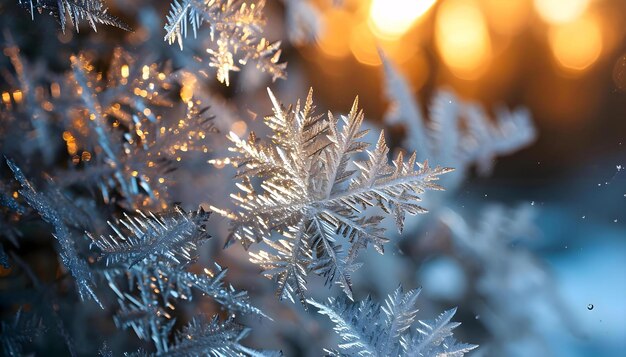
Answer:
(314, 194)
(30, 111)
(513, 300)
(458, 134)
(211, 338)
(56, 209)
(133, 161)
(173, 237)
(152, 254)
(22, 330)
(92, 11)
(303, 20)
(370, 329)
(8, 206)
(235, 34)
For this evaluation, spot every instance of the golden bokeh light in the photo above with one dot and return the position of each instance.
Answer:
(239, 127)
(336, 21)
(507, 17)
(363, 45)
(188, 85)
(462, 38)
(578, 44)
(390, 19)
(124, 71)
(560, 11)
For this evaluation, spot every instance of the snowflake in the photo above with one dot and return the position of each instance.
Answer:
(314, 194)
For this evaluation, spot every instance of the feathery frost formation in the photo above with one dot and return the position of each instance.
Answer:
(458, 134)
(235, 29)
(236, 34)
(136, 141)
(20, 331)
(151, 255)
(368, 329)
(314, 195)
(92, 11)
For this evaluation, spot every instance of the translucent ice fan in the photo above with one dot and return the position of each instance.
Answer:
(315, 196)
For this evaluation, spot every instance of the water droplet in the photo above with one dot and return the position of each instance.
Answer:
(590, 307)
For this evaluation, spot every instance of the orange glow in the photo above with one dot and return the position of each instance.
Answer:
(462, 39)
(335, 39)
(578, 44)
(390, 19)
(55, 90)
(188, 86)
(239, 127)
(507, 17)
(560, 11)
(17, 96)
(363, 45)
(124, 71)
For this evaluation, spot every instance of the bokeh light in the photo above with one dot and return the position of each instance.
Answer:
(560, 11)
(507, 17)
(336, 21)
(462, 38)
(390, 19)
(364, 45)
(577, 44)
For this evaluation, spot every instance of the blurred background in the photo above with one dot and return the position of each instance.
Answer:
(533, 254)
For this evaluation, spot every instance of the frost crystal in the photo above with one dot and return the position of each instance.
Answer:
(137, 145)
(313, 194)
(172, 237)
(235, 34)
(92, 11)
(152, 255)
(18, 333)
(512, 301)
(304, 21)
(211, 338)
(369, 329)
(458, 134)
(56, 209)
